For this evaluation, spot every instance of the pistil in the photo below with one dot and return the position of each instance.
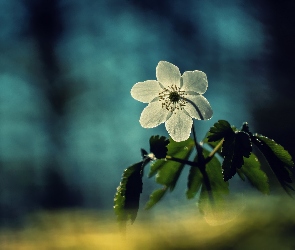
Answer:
(172, 98)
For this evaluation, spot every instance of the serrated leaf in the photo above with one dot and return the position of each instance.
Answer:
(235, 147)
(219, 130)
(155, 197)
(212, 144)
(278, 159)
(158, 146)
(126, 201)
(119, 202)
(251, 169)
(278, 150)
(169, 171)
(195, 179)
(212, 195)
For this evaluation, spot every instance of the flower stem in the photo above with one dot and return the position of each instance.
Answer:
(202, 166)
(198, 146)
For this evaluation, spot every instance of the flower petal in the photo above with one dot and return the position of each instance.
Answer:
(195, 81)
(146, 91)
(153, 115)
(179, 125)
(168, 74)
(198, 107)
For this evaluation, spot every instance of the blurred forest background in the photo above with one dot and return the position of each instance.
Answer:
(68, 125)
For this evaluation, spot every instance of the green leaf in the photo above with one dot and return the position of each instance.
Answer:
(180, 150)
(155, 197)
(126, 201)
(119, 202)
(219, 130)
(251, 169)
(169, 171)
(213, 195)
(155, 166)
(235, 147)
(278, 159)
(169, 174)
(278, 150)
(195, 179)
(158, 146)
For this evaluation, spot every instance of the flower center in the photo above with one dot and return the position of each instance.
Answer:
(172, 98)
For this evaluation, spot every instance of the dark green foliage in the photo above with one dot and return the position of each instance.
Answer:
(213, 196)
(168, 171)
(195, 179)
(181, 150)
(252, 171)
(219, 130)
(282, 154)
(278, 159)
(213, 188)
(155, 167)
(126, 202)
(156, 196)
(209, 171)
(217, 187)
(212, 144)
(158, 146)
(234, 148)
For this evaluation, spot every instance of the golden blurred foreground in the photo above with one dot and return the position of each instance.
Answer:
(256, 223)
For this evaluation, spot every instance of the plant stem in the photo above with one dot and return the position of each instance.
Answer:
(198, 146)
(202, 163)
(202, 166)
(196, 164)
(216, 148)
(212, 153)
(190, 163)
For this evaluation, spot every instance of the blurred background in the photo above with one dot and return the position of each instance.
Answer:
(68, 125)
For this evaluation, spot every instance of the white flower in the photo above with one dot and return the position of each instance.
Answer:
(174, 99)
